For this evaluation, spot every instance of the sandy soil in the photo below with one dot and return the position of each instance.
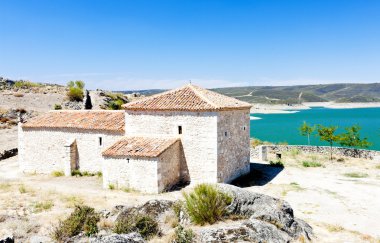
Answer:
(340, 208)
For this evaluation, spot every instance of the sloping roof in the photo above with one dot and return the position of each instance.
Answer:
(87, 120)
(139, 147)
(187, 98)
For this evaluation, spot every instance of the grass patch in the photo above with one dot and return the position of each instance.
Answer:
(356, 175)
(206, 204)
(57, 173)
(145, 225)
(72, 201)
(83, 218)
(182, 235)
(277, 163)
(22, 189)
(127, 189)
(311, 164)
(378, 167)
(111, 186)
(79, 173)
(5, 186)
(42, 206)
(26, 84)
(334, 228)
(293, 186)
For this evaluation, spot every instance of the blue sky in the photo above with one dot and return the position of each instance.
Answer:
(123, 45)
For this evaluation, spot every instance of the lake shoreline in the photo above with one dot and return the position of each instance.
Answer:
(287, 109)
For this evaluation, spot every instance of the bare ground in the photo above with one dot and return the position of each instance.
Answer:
(340, 208)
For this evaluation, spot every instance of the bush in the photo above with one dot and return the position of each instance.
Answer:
(75, 94)
(83, 218)
(206, 204)
(57, 107)
(145, 225)
(111, 186)
(183, 235)
(26, 84)
(277, 163)
(311, 164)
(57, 173)
(22, 189)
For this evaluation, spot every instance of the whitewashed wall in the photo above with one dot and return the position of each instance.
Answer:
(233, 144)
(137, 173)
(43, 150)
(199, 137)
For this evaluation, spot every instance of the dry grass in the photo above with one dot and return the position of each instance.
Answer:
(42, 206)
(5, 186)
(72, 201)
(57, 173)
(356, 175)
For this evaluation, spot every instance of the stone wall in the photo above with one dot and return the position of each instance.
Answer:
(337, 151)
(169, 167)
(43, 150)
(233, 144)
(199, 137)
(136, 173)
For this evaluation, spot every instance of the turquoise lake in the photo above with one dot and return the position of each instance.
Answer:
(284, 127)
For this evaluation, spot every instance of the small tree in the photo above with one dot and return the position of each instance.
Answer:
(351, 138)
(306, 130)
(328, 134)
(75, 92)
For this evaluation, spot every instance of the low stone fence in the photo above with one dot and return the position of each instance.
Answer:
(260, 152)
(8, 153)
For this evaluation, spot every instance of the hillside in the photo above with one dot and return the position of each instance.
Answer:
(346, 93)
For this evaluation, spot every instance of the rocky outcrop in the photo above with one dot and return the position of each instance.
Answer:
(270, 220)
(152, 208)
(115, 238)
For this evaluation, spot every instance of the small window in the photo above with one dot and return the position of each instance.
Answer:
(244, 128)
(100, 141)
(225, 134)
(128, 160)
(179, 129)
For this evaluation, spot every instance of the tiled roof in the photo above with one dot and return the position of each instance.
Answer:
(187, 98)
(139, 147)
(87, 120)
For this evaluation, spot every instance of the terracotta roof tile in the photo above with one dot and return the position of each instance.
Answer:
(187, 98)
(88, 120)
(139, 147)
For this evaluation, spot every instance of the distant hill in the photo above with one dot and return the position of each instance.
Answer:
(298, 93)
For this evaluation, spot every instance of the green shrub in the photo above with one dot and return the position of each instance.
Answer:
(75, 94)
(57, 173)
(145, 225)
(115, 105)
(183, 235)
(311, 164)
(26, 84)
(57, 107)
(76, 173)
(277, 163)
(83, 218)
(99, 174)
(111, 186)
(206, 204)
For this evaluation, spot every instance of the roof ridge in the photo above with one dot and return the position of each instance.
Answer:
(192, 87)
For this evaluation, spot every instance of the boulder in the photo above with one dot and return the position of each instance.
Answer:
(153, 208)
(271, 210)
